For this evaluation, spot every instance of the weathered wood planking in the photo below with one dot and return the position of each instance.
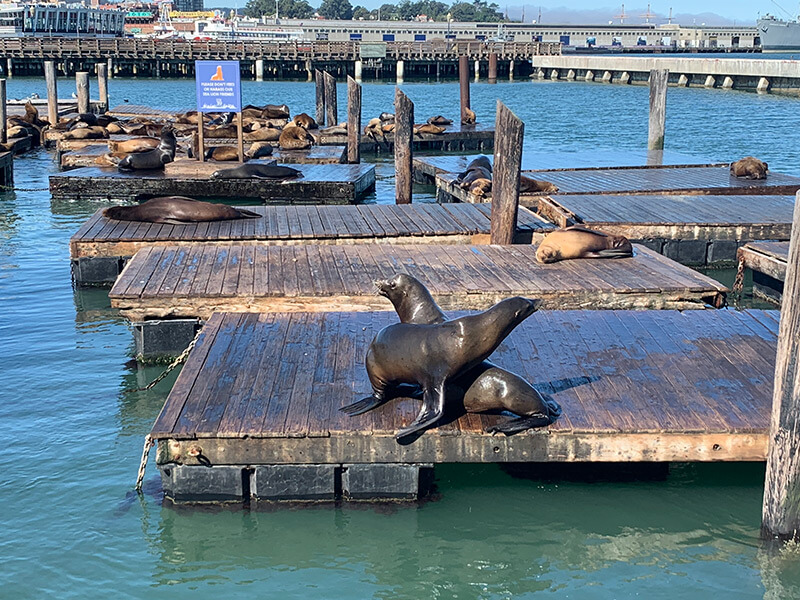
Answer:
(138, 110)
(769, 258)
(368, 223)
(456, 138)
(672, 216)
(320, 184)
(322, 155)
(634, 386)
(194, 281)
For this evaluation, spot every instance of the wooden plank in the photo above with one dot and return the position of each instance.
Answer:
(505, 177)
(403, 153)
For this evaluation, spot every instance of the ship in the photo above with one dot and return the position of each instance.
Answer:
(777, 35)
(238, 30)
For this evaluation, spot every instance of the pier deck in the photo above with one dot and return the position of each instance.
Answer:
(320, 184)
(101, 246)
(456, 138)
(194, 281)
(768, 262)
(260, 390)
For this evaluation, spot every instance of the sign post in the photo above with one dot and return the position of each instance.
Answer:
(219, 89)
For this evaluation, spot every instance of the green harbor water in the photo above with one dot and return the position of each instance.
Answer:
(71, 527)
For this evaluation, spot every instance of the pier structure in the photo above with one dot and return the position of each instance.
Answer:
(768, 262)
(724, 73)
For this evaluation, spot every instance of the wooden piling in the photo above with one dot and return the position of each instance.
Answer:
(52, 91)
(658, 108)
(239, 136)
(353, 121)
(780, 515)
(82, 85)
(3, 112)
(319, 82)
(463, 80)
(403, 138)
(509, 133)
(201, 143)
(331, 110)
(102, 84)
(493, 67)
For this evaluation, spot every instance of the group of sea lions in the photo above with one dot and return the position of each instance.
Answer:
(378, 127)
(477, 179)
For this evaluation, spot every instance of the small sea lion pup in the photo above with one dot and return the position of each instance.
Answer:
(177, 210)
(257, 171)
(579, 242)
(152, 159)
(749, 167)
(432, 355)
(528, 185)
(295, 138)
(305, 121)
(485, 387)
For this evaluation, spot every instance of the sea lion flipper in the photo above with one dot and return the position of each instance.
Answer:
(362, 406)
(610, 253)
(513, 426)
(432, 410)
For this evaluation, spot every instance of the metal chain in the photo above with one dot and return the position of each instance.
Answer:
(9, 188)
(738, 282)
(148, 443)
(181, 358)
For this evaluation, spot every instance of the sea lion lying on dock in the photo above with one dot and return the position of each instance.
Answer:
(340, 129)
(432, 355)
(275, 111)
(258, 150)
(480, 162)
(222, 153)
(265, 134)
(18, 131)
(579, 242)
(428, 128)
(305, 121)
(749, 167)
(221, 131)
(480, 187)
(257, 171)
(177, 210)
(469, 117)
(440, 120)
(472, 175)
(152, 159)
(140, 144)
(295, 138)
(528, 185)
(86, 133)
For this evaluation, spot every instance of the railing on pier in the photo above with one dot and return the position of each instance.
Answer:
(55, 48)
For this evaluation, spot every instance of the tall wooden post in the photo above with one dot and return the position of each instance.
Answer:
(493, 67)
(353, 121)
(3, 112)
(239, 136)
(319, 81)
(403, 138)
(52, 91)
(102, 84)
(201, 137)
(463, 83)
(658, 109)
(331, 110)
(509, 132)
(82, 85)
(780, 515)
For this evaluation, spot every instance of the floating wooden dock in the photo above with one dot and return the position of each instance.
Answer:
(101, 246)
(194, 281)
(456, 138)
(6, 170)
(768, 261)
(320, 184)
(254, 412)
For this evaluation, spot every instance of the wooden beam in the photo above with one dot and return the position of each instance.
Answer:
(509, 134)
(353, 121)
(463, 81)
(658, 108)
(493, 67)
(780, 515)
(3, 112)
(82, 85)
(331, 109)
(403, 153)
(319, 83)
(52, 91)
(102, 84)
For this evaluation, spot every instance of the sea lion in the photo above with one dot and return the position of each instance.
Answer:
(340, 129)
(257, 171)
(478, 162)
(177, 210)
(141, 144)
(31, 113)
(258, 150)
(222, 153)
(265, 134)
(480, 187)
(294, 138)
(222, 131)
(428, 128)
(144, 129)
(89, 119)
(749, 167)
(152, 159)
(386, 117)
(251, 112)
(440, 120)
(431, 355)
(18, 131)
(374, 129)
(528, 185)
(223, 119)
(305, 121)
(469, 117)
(86, 133)
(115, 128)
(388, 127)
(273, 111)
(486, 386)
(579, 242)
(474, 174)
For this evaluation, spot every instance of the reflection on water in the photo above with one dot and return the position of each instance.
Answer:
(70, 527)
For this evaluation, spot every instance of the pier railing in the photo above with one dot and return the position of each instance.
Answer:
(56, 48)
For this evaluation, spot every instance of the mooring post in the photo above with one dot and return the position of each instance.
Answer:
(319, 81)
(259, 69)
(509, 132)
(3, 112)
(780, 515)
(493, 67)
(400, 71)
(52, 91)
(102, 84)
(82, 85)
(239, 136)
(358, 68)
(658, 108)
(403, 138)
(201, 137)
(463, 81)
(331, 110)
(353, 121)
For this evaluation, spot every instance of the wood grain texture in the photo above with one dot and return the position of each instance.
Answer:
(331, 103)
(510, 132)
(353, 121)
(463, 84)
(769, 258)
(658, 109)
(52, 90)
(82, 85)
(319, 81)
(403, 153)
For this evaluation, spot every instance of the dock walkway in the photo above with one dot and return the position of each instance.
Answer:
(456, 138)
(768, 261)
(259, 396)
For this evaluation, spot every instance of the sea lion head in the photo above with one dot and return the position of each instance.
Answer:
(397, 286)
(411, 299)
(548, 253)
(509, 313)
(621, 243)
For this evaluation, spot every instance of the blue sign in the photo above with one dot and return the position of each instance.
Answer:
(218, 86)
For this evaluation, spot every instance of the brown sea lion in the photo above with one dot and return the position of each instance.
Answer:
(340, 129)
(18, 131)
(273, 111)
(386, 117)
(305, 121)
(251, 112)
(222, 153)
(432, 355)
(428, 128)
(480, 187)
(258, 150)
(189, 118)
(115, 128)
(472, 175)
(152, 159)
(749, 167)
(86, 133)
(257, 171)
(388, 127)
(177, 210)
(485, 387)
(141, 144)
(528, 185)
(440, 120)
(31, 113)
(469, 117)
(109, 159)
(294, 138)
(579, 242)
(482, 162)
(223, 131)
(265, 134)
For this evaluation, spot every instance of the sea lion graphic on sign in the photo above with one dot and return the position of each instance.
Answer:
(218, 75)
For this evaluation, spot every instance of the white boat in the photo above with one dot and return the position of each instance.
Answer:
(239, 30)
